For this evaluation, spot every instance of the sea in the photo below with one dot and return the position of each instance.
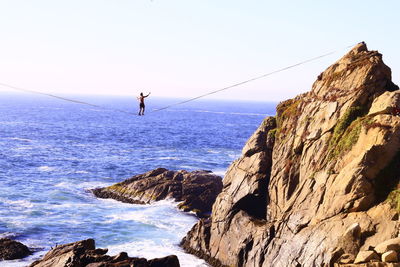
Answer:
(53, 151)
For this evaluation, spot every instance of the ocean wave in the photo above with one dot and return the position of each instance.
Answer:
(7, 235)
(19, 139)
(68, 206)
(46, 168)
(188, 167)
(25, 147)
(150, 249)
(11, 123)
(84, 172)
(93, 184)
(25, 261)
(154, 215)
(168, 158)
(81, 186)
(219, 172)
(18, 203)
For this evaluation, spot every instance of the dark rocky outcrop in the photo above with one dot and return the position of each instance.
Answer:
(319, 182)
(12, 250)
(84, 253)
(195, 190)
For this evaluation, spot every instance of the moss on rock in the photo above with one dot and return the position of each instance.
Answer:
(347, 131)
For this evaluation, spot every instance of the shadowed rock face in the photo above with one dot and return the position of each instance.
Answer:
(328, 160)
(11, 250)
(84, 253)
(195, 190)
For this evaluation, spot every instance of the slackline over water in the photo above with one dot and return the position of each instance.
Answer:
(182, 102)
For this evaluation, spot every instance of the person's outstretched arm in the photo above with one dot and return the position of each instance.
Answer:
(147, 94)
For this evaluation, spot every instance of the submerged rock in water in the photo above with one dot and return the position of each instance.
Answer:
(195, 190)
(84, 253)
(12, 250)
(318, 181)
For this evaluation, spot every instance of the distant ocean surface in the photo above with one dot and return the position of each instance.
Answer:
(52, 151)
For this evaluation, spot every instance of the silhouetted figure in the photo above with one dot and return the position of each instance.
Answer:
(141, 105)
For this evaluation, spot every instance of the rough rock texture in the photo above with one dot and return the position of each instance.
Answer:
(307, 177)
(197, 190)
(390, 256)
(369, 264)
(391, 244)
(11, 250)
(84, 253)
(366, 256)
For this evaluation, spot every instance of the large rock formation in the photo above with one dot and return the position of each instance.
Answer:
(84, 253)
(195, 190)
(11, 249)
(316, 182)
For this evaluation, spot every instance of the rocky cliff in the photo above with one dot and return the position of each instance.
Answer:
(317, 181)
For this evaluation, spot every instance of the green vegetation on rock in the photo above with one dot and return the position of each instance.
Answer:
(394, 199)
(285, 110)
(272, 133)
(347, 131)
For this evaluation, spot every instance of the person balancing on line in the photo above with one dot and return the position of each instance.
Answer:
(141, 105)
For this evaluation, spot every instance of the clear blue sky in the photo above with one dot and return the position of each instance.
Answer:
(183, 48)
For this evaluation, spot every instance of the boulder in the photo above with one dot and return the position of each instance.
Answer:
(390, 256)
(391, 244)
(195, 190)
(171, 261)
(346, 259)
(366, 256)
(84, 253)
(385, 103)
(369, 264)
(327, 161)
(11, 249)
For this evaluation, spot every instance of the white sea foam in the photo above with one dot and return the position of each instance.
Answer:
(188, 167)
(114, 204)
(234, 156)
(168, 158)
(82, 172)
(91, 185)
(18, 203)
(155, 214)
(213, 151)
(66, 206)
(23, 148)
(46, 168)
(7, 234)
(63, 185)
(81, 186)
(150, 249)
(25, 261)
(219, 172)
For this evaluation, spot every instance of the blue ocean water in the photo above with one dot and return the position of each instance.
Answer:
(52, 151)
